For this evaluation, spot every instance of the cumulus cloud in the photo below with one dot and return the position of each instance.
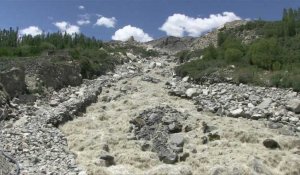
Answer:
(66, 27)
(107, 22)
(84, 19)
(81, 7)
(31, 30)
(126, 32)
(180, 24)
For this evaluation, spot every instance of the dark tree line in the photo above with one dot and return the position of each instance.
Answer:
(11, 44)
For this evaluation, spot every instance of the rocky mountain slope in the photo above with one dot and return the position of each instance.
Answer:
(173, 44)
(144, 119)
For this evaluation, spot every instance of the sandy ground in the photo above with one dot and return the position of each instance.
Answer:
(239, 151)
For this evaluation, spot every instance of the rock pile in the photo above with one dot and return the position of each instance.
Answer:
(162, 130)
(34, 140)
(276, 105)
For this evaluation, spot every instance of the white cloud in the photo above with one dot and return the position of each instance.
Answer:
(83, 22)
(31, 30)
(81, 7)
(180, 24)
(126, 32)
(66, 27)
(84, 19)
(107, 22)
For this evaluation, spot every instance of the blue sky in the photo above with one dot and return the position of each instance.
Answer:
(143, 18)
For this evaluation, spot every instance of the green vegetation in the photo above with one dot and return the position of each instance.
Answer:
(271, 60)
(186, 55)
(94, 56)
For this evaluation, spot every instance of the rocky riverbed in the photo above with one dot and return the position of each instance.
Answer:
(142, 125)
(143, 119)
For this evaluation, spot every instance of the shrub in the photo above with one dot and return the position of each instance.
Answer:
(276, 79)
(233, 55)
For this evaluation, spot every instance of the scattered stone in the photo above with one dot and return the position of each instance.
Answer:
(191, 92)
(186, 79)
(146, 146)
(270, 143)
(117, 76)
(152, 65)
(175, 127)
(54, 102)
(273, 125)
(205, 91)
(109, 159)
(177, 139)
(265, 104)
(237, 112)
(158, 64)
(294, 105)
(150, 79)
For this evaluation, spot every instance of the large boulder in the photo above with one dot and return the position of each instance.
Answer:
(293, 105)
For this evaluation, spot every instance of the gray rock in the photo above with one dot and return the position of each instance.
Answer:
(150, 79)
(294, 105)
(177, 139)
(54, 102)
(205, 91)
(156, 126)
(265, 104)
(152, 65)
(254, 98)
(117, 76)
(185, 79)
(158, 64)
(294, 119)
(257, 116)
(131, 56)
(237, 112)
(191, 92)
(273, 125)
(175, 127)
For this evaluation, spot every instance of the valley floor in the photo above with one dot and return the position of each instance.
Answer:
(104, 129)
